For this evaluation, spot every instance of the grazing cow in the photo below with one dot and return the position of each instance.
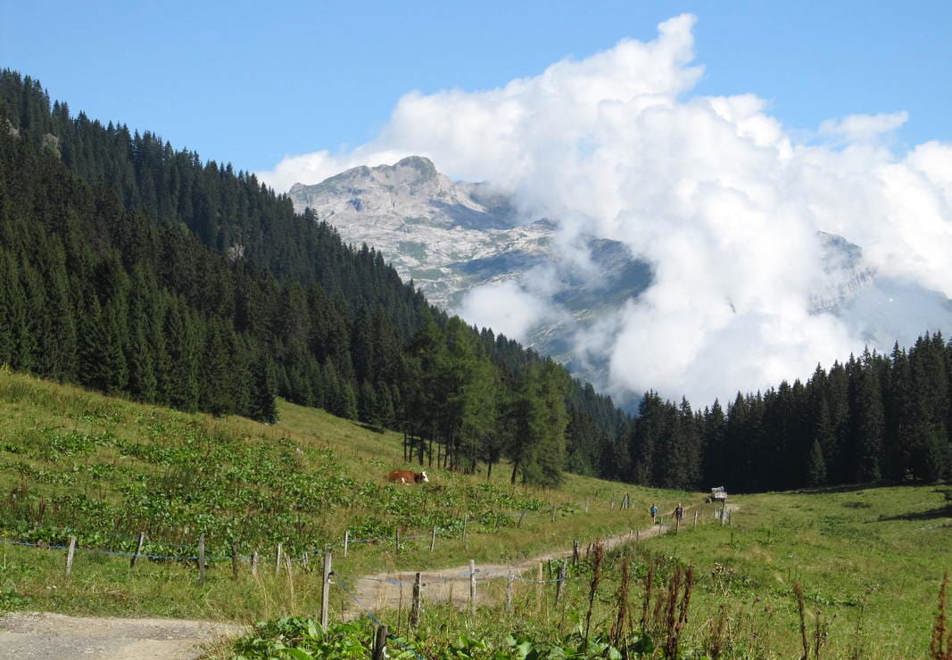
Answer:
(407, 477)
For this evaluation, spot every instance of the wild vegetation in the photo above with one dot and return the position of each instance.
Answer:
(76, 463)
(824, 574)
(869, 560)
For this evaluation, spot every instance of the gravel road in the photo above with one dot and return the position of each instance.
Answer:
(46, 636)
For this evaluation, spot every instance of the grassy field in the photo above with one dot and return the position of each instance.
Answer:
(78, 463)
(869, 560)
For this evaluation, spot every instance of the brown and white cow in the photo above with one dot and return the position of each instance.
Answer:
(407, 477)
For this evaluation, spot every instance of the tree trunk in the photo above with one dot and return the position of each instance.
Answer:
(515, 469)
(489, 470)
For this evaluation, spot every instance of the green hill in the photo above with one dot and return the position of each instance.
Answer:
(73, 462)
(78, 463)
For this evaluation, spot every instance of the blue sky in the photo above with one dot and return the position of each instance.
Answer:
(250, 83)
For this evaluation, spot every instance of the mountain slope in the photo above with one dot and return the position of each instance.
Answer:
(457, 238)
(451, 238)
(133, 268)
(445, 236)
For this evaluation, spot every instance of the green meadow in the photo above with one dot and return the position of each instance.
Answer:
(869, 561)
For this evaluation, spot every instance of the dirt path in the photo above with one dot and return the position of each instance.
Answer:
(390, 590)
(42, 635)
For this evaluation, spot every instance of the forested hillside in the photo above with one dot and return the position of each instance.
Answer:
(131, 267)
(874, 418)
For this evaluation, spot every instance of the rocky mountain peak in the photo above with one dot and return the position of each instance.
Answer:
(424, 167)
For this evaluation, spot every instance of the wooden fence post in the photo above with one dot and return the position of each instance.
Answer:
(433, 539)
(522, 516)
(575, 552)
(553, 514)
(254, 564)
(326, 590)
(396, 541)
(637, 536)
(465, 518)
(135, 556)
(560, 580)
(380, 643)
(234, 560)
(400, 606)
(346, 540)
(415, 603)
(70, 552)
(201, 559)
(472, 587)
(277, 560)
(539, 583)
(613, 503)
(586, 505)
(510, 579)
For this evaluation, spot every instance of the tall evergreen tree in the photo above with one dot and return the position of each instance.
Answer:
(263, 405)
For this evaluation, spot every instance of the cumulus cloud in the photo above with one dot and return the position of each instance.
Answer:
(856, 128)
(506, 307)
(727, 205)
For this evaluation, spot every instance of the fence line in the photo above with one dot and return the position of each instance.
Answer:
(315, 550)
(460, 526)
(470, 574)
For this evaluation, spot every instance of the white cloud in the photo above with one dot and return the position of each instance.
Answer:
(856, 128)
(505, 307)
(722, 200)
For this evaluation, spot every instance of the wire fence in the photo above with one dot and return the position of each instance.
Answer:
(304, 556)
(359, 606)
(166, 551)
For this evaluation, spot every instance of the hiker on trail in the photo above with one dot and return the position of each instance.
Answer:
(679, 512)
(654, 513)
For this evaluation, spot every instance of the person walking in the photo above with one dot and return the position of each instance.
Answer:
(654, 513)
(679, 512)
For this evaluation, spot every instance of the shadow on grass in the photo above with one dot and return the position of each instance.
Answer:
(931, 514)
(371, 427)
(844, 488)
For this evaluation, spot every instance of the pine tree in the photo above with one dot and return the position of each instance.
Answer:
(367, 404)
(869, 427)
(217, 372)
(347, 401)
(116, 350)
(95, 360)
(182, 343)
(8, 308)
(142, 380)
(816, 465)
(823, 434)
(384, 413)
(263, 403)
